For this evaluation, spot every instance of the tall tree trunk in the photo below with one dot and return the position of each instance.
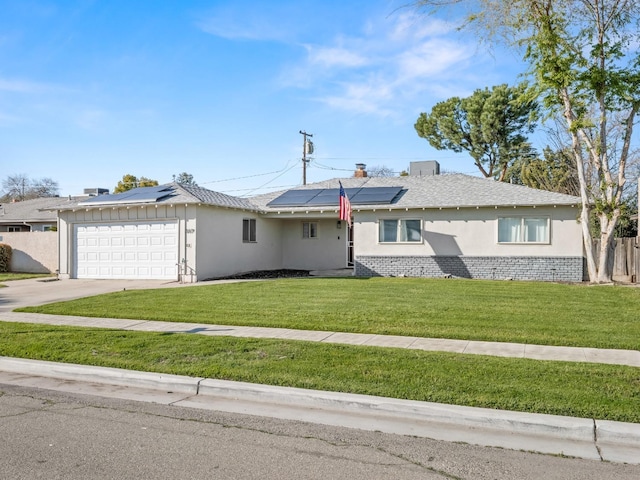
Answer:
(607, 246)
(585, 210)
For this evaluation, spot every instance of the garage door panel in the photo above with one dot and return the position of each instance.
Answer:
(127, 250)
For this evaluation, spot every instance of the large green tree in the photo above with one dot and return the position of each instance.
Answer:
(131, 181)
(584, 59)
(555, 172)
(491, 125)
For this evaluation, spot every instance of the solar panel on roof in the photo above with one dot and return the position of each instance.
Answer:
(326, 197)
(294, 198)
(147, 194)
(351, 192)
(375, 196)
(135, 195)
(331, 196)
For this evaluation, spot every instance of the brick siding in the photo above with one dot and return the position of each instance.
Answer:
(569, 269)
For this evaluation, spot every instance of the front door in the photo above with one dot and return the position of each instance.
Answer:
(350, 246)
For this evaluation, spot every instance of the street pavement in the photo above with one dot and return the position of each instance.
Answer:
(579, 437)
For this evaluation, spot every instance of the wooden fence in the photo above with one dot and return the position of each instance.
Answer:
(626, 263)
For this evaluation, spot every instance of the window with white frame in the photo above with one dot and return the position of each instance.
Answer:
(399, 230)
(523, 230)
(309, 229)
(248, 229)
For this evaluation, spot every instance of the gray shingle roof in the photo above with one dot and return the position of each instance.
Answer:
(209, 197)
(431, 191)
(34, 211)
(176, 194)
(434, 191)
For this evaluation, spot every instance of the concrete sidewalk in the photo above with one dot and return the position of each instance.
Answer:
(499, 349)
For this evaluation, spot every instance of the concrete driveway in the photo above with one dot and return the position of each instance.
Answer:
(22, 293)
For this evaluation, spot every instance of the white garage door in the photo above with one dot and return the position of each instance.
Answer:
(147, 250)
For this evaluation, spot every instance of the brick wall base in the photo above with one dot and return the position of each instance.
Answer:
(567, 269)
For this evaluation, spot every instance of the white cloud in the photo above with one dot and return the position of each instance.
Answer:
(382, 65)
(22, 86)
(368, 97)
(431, 58)
(384, 69)
(412, 26)
(330, 57)
(253, 21)
(249, 29)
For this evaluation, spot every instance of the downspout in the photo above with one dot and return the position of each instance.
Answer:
(58, 240)
(637, 249)
(184, 260)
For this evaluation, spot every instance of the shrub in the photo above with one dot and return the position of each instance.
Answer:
(5, 257)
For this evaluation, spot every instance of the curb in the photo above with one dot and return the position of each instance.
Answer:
(550, 434)
(102, 375)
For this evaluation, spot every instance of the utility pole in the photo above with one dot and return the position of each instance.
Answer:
(307, 148)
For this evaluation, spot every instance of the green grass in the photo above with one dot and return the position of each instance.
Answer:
(523, 312)
(6, 277)
(560, 388)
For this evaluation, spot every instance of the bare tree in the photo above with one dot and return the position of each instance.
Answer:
(45, 187)
(19, 187)
(380, 171)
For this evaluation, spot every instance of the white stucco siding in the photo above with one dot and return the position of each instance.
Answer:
(221, 250)
(327, 251)
(470, 232)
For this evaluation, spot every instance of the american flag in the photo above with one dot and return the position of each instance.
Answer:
(345, 206)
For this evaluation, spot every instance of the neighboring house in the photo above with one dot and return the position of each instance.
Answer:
(29, 216)
(427, 226)
(29, 227)
(29, 230)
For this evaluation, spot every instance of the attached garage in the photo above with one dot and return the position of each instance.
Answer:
(126, 250)
(171, 232)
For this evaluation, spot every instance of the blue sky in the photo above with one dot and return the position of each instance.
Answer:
(93, 90)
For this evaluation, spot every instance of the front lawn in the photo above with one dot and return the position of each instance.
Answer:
(522, 312)
(560, 388)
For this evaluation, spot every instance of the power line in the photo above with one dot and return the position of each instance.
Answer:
(326, 167)
(274, 178)
(275, 187)
(249, 176)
